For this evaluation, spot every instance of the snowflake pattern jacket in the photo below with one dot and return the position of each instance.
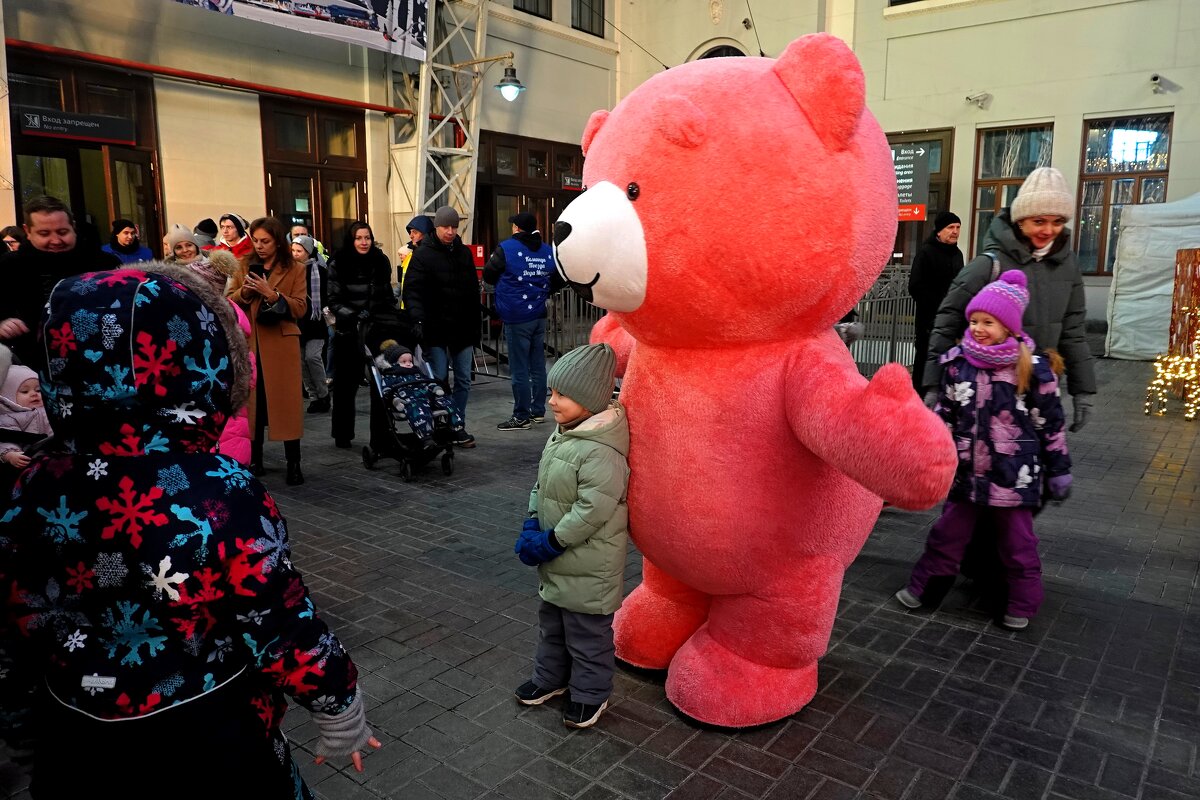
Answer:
(140, 570)
(1008, 443)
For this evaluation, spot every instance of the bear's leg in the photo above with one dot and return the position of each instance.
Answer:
(657, 618)
(755, 661)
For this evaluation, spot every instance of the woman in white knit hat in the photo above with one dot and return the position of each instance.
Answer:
(1032, 237)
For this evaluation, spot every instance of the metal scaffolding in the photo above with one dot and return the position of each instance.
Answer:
(434, 155)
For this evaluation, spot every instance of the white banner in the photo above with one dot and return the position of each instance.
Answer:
(394, 26)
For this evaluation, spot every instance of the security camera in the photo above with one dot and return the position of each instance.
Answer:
(980, 99)
(746, 23)
(1156, 79)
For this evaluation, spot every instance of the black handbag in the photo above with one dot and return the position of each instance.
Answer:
(274, 313)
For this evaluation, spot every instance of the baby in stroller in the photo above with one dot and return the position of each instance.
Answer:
(412, 391)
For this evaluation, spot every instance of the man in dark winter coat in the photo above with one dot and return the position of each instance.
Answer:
(30, 274)
(522, 270)
(937, 261)
(441, 296)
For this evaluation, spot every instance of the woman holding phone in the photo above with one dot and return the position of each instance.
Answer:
(271, 288)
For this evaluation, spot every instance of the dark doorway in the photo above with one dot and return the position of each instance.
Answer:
(100, 181)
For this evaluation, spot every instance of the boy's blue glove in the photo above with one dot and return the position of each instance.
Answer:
(537, 547)
(531, 524)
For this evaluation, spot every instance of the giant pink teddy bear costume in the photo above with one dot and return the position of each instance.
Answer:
(736, 209)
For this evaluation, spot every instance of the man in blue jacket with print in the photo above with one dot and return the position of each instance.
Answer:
(522, 270)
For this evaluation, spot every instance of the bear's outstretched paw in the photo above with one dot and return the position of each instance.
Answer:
(649, 627)
(714, 685)
(892, 382)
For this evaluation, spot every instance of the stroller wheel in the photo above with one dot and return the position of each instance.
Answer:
(448, 464)
(369, 458)
(407, 472)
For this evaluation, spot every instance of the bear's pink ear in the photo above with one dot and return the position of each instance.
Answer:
(679, 120)
(827, 82)
(595, 121)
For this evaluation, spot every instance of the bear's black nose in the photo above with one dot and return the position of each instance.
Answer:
(561, 231)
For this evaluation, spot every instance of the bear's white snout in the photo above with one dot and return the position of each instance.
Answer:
(600, 248)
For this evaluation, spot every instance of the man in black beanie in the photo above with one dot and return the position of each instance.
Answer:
(937, 261)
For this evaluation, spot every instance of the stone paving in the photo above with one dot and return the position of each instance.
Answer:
(1099, 698)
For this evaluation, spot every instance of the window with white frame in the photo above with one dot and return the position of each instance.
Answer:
(1125, 162)
(1004, 158)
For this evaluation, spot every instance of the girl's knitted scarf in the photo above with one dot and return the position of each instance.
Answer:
(991, 356)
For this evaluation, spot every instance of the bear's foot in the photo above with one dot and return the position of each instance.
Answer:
(650, 627)
(712, 684)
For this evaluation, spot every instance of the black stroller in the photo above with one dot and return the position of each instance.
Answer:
(391, 436)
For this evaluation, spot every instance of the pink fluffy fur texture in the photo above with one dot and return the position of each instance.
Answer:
(760, 457)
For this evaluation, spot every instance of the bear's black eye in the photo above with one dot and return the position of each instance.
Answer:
(632, 191)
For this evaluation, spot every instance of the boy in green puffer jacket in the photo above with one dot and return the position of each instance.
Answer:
(576, 535)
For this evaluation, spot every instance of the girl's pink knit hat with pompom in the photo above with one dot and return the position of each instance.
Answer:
(1005, 299)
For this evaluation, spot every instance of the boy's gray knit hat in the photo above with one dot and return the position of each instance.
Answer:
(586, 375)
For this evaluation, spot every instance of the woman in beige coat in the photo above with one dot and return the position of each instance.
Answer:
(271, 288)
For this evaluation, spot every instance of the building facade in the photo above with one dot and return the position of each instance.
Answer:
(992, 89)
(1104, 90)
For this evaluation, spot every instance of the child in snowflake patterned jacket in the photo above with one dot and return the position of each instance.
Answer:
(1001, 402)
(153, 619)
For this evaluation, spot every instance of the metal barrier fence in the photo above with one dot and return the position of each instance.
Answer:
(569, 321)
(886, 313)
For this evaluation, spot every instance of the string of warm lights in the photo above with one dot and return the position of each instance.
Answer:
(1178, 371)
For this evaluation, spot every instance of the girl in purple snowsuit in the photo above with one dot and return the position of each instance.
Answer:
(1002, 404)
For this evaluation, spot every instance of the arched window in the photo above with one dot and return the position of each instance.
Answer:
(723, 51)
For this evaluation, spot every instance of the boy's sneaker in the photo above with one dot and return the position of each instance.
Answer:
(514, 424)
(908, 599)
(538, 418)
(464, 439)
(1015, 623)
(530, 694)
(578, 715)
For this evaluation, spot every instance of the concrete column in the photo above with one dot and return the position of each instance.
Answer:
(8, 195)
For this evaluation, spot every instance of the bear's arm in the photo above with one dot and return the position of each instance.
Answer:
(877, 433)
(608, 331)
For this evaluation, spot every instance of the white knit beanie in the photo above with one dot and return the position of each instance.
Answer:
(1044, 193)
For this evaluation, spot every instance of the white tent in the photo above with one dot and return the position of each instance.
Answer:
(1139, 300)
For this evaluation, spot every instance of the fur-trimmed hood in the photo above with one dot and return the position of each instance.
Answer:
(142, 359)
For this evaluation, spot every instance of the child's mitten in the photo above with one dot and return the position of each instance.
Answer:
(1060, 487)
(537, 547)
(342, 734)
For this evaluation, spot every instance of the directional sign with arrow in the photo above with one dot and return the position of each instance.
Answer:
(911, 162)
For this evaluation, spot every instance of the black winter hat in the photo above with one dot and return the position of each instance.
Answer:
(121, 224)
(525, 221)
(943, 219)
(207, 227)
